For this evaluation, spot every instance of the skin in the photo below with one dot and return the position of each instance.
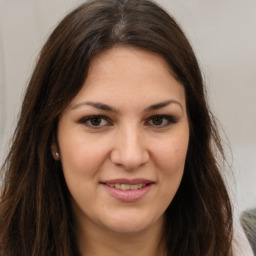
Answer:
(129, 142)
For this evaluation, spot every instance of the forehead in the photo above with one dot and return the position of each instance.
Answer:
(127, 59)
(132, 74)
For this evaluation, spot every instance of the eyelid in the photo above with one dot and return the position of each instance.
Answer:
(88, 118)
(170, 120)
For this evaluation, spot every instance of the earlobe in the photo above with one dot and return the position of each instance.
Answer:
(55, 152)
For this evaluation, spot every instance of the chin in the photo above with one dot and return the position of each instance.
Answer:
(127, 224)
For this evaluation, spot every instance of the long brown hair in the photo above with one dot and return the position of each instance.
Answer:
(35, 214)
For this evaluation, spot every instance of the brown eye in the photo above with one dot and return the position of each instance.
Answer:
(95, 121)
(157, 120)
(161, 121)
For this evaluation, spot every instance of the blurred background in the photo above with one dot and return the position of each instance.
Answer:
(223, 35)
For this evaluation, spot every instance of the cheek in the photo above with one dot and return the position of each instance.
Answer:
(170, 163)
(81, 158)
(81, 163)
(172, 172)
(172, 155)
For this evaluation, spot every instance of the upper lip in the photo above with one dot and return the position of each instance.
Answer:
(128, 181)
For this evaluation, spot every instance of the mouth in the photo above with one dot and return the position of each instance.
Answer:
(128, 190)
(126, 186)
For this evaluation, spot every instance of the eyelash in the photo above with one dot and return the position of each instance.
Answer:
(87, 121)
(167, 118)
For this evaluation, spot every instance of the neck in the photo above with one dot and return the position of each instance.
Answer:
(105, 242)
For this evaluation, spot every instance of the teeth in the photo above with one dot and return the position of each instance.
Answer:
(126, 186)
(117, 186)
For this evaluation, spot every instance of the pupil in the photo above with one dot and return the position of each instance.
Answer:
(157, 120)
(96, 121)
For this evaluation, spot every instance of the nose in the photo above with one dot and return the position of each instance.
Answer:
(130, 150)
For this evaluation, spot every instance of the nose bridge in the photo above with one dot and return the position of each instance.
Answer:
(130, 149)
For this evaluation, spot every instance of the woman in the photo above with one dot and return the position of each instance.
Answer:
(115, 151)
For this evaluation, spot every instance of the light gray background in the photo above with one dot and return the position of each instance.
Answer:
(223, 34)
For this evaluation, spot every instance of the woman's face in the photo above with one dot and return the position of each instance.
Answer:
(123, 141)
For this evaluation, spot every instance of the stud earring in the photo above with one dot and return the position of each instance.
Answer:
(57, 155)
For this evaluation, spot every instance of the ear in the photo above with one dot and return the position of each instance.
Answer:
(55, 152)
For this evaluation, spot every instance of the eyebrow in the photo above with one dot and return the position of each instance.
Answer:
(163, 104)
(106, 107)
(97, 105)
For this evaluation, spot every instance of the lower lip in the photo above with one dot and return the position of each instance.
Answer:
(128, 195)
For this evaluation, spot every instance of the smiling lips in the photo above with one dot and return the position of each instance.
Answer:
(128, 190)
(126, 186)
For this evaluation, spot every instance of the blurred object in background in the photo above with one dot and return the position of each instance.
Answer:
(248, 222)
